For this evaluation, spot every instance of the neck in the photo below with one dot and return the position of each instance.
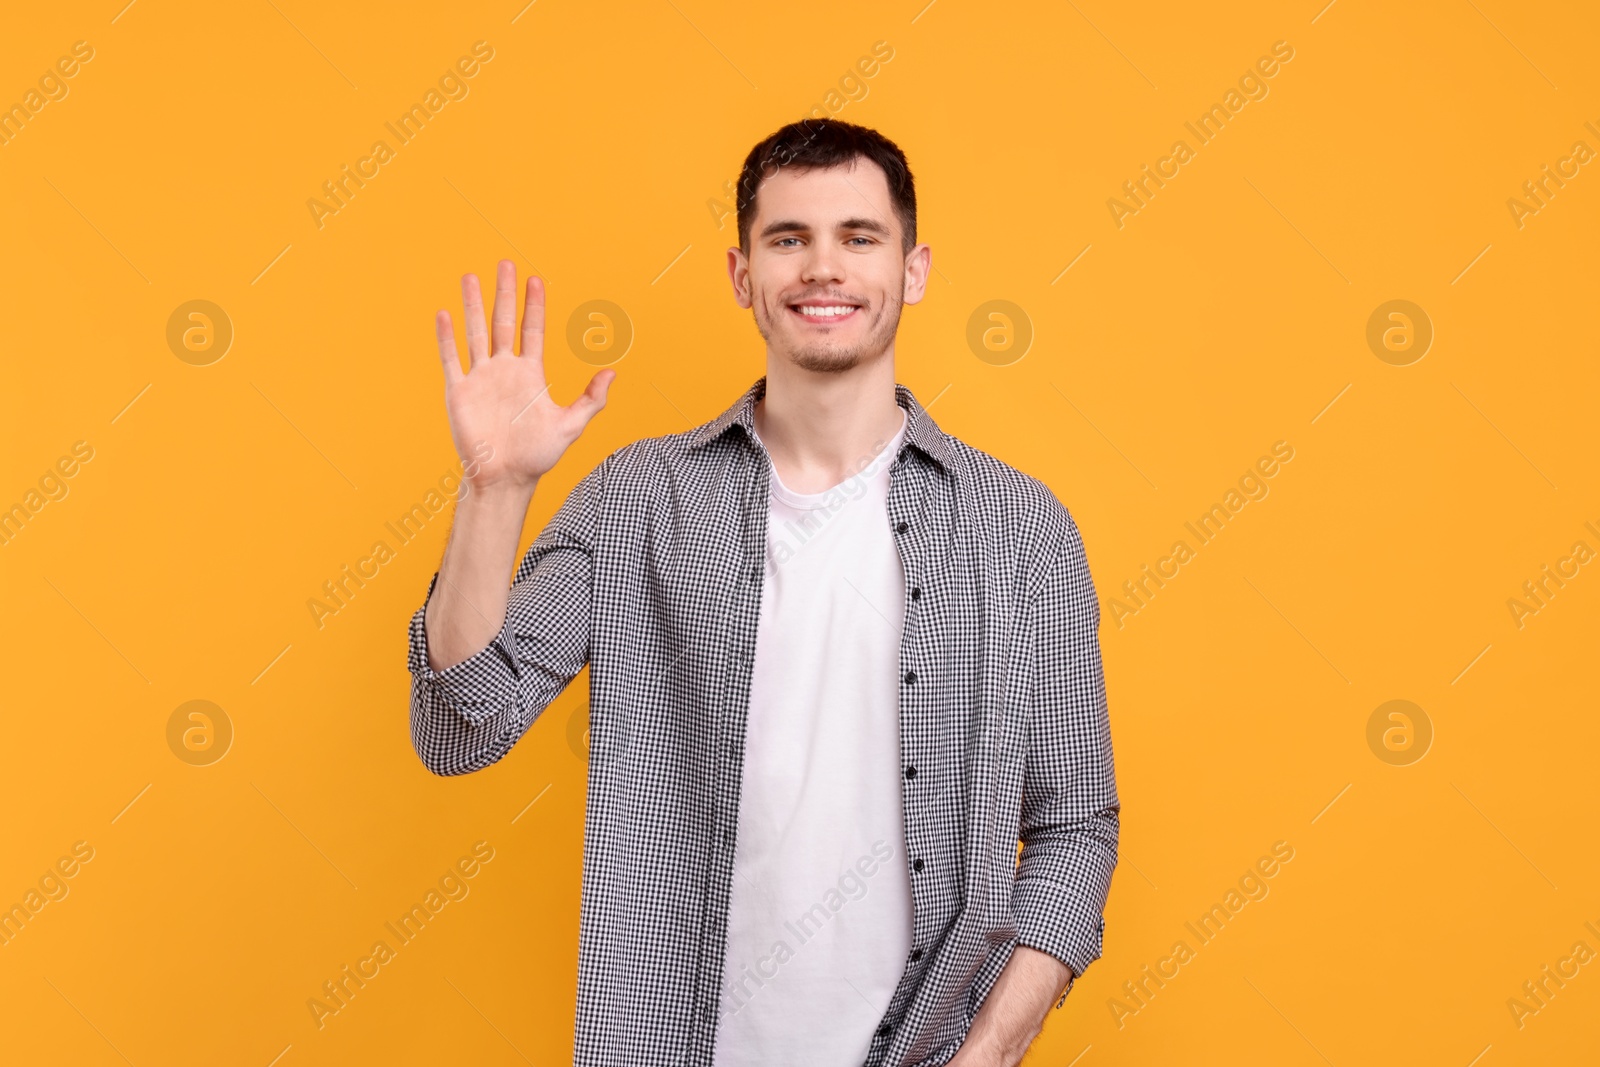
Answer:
(820, 427)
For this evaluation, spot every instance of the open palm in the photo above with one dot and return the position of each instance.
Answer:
(507, 430)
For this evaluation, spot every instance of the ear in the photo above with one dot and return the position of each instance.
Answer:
(919, 261)
(739, 275)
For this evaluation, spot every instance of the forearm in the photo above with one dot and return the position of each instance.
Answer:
(1013, 1013)
(468, 606)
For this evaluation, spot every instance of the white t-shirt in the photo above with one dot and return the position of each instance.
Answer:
(819, 924)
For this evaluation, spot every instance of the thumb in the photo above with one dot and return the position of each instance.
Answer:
(593, 398)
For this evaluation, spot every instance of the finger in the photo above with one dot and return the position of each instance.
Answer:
(446, 333)
(505, 308)
(592, 399)
(533, 318)
(477, 333)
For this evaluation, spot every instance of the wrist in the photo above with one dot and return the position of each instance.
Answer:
(498, 496)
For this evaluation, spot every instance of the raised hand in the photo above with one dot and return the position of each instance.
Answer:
(507, 429)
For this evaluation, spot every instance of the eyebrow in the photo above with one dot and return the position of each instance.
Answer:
(778, 226)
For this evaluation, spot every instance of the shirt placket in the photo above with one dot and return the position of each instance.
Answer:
(731, 721)
(907, 486)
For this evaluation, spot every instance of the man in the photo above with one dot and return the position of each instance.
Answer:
(841, 663)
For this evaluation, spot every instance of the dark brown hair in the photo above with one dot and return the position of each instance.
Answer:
(813, 143)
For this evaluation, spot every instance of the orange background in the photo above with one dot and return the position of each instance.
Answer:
(1229, 313)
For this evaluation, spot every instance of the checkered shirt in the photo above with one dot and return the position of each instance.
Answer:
(650, 573)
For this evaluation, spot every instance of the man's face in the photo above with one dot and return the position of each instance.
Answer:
(825, 274)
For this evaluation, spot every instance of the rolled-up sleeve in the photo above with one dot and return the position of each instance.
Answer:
(1070, 810)
(469, 715)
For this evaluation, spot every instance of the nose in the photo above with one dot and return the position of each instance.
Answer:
(823, 265)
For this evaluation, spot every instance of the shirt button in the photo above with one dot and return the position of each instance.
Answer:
(911, 677)
(916, 865)
(916, 594)
(911, 772)
(916, 954)
(902, 527)
(885, 1030)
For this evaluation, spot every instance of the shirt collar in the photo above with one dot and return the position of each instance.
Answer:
(921, 430)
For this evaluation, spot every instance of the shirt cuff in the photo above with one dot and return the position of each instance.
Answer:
(1053, 919)
(478, 686)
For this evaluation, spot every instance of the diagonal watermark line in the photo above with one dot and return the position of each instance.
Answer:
(865, 600)
(1112, 43)
(1297, 229)
(1108, 440)
(130, 404)
(1469, 666)
(1069, 266)
(712, 43)
(313, 44)
(523, 12)
(1080, 1055)
(923, 12)
(530, 403)
(1330, 804)
(302, 433)
(96, 629)
(130, 804)
(302, 833)
(1480, 1055)
(1502, 833)
(935, 400)
(496, 229)
(1324, 11)
(1513, 44)
(124, 11)
(1285, 1018)
(488, 1020)
(1146, 877)
(1469, 266)
(271, 665)
(1330, 404)
(86, 1019)
(669, 266)
(281, 1055)
(1502, 433)
(1297, 630)
(274, 263)
(97, 229)
(530, 804)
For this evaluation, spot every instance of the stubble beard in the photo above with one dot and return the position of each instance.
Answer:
(830, 357)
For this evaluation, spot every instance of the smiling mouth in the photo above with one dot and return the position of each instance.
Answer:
(824, 314)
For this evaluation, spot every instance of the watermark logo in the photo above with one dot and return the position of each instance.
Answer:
(1399, 332)
(199, 332)
(999, 332)
(599, 333)
(1399, 733)
(199, 733)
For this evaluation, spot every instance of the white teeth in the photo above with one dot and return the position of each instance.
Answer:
(823, 312)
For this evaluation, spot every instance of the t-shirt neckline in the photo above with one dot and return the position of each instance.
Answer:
(814, 501)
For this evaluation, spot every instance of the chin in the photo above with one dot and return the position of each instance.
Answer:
(827, 359)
